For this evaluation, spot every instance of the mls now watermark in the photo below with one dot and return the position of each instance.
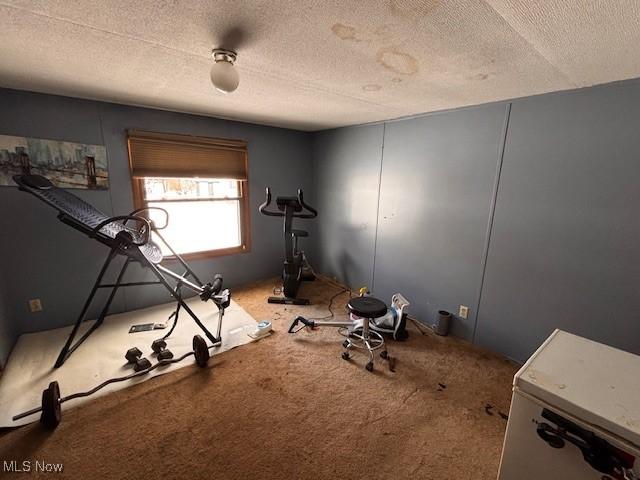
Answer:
(29, 466)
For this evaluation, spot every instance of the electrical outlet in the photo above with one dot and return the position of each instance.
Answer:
(463, 311)
(35, 305)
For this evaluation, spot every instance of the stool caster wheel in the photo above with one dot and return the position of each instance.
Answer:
(345, 355)
(384, 354)
(345, 344)
(369, 366)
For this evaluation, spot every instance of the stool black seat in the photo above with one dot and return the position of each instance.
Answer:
(367, 307)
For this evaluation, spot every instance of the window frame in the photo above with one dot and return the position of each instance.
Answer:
(137, 187)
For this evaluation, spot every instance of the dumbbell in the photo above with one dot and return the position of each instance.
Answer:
(52, 401)
(134, 356)
(159, 347)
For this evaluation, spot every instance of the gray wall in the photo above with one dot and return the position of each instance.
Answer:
(565, 243)
(48, 260)
(347, 178)
(437, 183)
(526, 211)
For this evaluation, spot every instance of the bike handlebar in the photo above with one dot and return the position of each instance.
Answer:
(313, 213)
(263, 208)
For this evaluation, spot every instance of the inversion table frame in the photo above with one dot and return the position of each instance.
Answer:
(136, 245)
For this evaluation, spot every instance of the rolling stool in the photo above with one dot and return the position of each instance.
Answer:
(362, 336)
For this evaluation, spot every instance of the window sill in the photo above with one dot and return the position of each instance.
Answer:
(209, 254)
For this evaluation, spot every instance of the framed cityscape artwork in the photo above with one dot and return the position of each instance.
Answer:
(65, 164)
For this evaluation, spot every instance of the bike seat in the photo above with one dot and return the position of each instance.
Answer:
(367, 307)
(299, 233)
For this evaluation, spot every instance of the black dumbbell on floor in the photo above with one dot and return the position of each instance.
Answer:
(52, 401)
(134, 356)
(160, 348)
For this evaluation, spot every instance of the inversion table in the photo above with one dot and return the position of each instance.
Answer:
(136, 245)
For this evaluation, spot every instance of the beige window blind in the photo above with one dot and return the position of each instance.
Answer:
(178, 156)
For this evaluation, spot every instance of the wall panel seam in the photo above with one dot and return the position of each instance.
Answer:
(375, 240)
(492, 209)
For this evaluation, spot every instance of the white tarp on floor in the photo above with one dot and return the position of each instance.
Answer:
(30, 367)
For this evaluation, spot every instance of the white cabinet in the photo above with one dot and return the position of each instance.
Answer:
(575, 414)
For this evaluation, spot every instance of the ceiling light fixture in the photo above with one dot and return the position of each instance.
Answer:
(224, 75)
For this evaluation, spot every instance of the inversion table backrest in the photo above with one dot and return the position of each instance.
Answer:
(86, 218)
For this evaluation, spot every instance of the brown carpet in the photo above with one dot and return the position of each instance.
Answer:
(289, 407)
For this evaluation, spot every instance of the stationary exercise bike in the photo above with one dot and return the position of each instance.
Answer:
(296, 268)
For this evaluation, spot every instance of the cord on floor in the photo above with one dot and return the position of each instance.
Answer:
(331, 313)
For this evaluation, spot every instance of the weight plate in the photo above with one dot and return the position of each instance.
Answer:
(51, 411)
(201, 351)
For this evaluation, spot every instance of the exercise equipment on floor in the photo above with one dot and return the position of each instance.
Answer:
(211, 291)
(135, 244)
(363, 311)
(394, 322)
(296, 267)
(135, 358)
(262, 329)
(51, 407)
(159, 347)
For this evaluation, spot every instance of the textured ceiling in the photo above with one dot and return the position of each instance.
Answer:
(314, 64)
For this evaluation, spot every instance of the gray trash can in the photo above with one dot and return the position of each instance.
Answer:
(441, 327)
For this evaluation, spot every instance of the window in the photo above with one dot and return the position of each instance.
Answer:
(201, 183)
